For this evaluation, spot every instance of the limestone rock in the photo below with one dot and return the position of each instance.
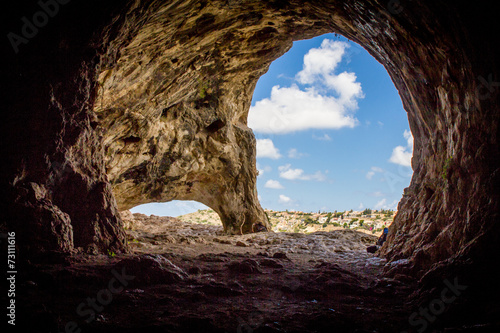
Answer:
(152, 269)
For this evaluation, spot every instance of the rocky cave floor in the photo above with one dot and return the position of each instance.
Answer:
(184, 277)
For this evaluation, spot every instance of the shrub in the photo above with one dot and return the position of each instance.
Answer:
(367, 211)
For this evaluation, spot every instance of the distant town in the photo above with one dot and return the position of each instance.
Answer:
(367, 221)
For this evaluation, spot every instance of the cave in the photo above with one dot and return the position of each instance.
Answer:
(111, 105)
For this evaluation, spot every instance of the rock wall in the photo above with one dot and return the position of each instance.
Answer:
(115, 105)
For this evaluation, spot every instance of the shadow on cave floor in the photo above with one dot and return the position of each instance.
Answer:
(184, 277)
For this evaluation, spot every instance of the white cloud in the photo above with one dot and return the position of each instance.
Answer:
(361, 206)
(286, 172)
(402, 155)
(370, 175)
(264, 169)
(373, 170)
(394, 205)
(321, 61)
(274, 184)
(291, 109)
(325, 137)
(266, 149)
(382, 204)
(284, 199)
(319, 67)
(294, 153)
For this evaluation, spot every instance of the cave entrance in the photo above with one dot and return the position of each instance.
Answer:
(332, 136)
(155, 217)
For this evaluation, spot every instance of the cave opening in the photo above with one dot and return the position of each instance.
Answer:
(327, 119)
(281, 264)
(362, 99)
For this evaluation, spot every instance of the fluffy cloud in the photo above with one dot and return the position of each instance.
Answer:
(402, 155)
(325, 137)
(322, 61)
(286, 172)
(284, 199)
(294, 153)
(273, 184)
(263, 169)
(291, 109)
(371, 173)
(266, 149)
(382, 204)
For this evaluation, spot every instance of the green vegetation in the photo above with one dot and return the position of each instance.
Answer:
(328, 217)
(339, 214)
(202, 89)
(446, 167)
(267, 216)
(309, 220)
(300, 222)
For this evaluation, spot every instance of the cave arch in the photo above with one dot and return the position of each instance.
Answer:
(100, 85)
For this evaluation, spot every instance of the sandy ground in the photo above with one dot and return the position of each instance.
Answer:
(185, 277)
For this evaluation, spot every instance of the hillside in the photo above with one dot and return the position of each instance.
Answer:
(367, 221)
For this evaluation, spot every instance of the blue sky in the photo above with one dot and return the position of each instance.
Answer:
(331, 132)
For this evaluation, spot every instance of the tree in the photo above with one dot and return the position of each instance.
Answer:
(367, 211)
(308, 220)
(328, 217)
(361, 223)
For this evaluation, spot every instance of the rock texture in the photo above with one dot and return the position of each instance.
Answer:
(182, 278)
(117, 104)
